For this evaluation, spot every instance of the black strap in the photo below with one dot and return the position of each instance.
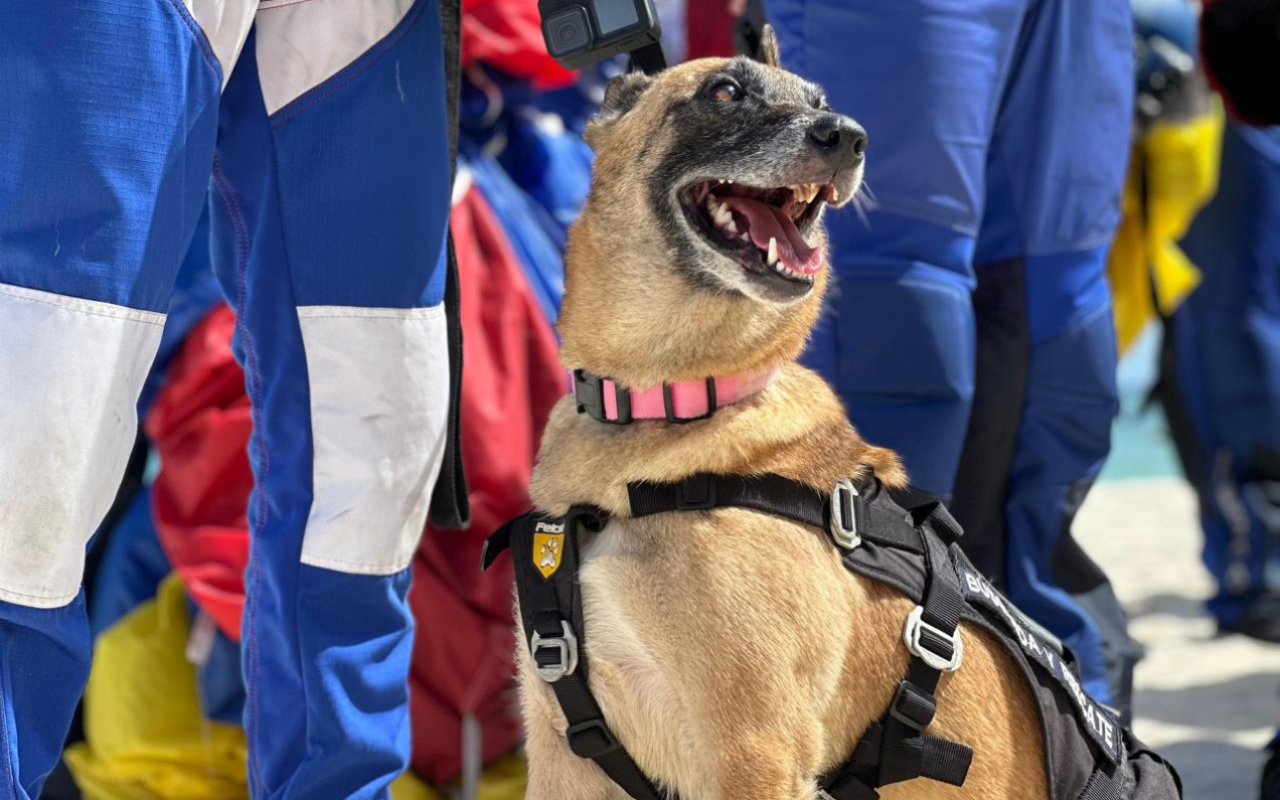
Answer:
(895, 749)
(892, 750)
(1102, 785)
(648, 59)
(551, 609)
(771, 494)
(450, 503)
(776, 495)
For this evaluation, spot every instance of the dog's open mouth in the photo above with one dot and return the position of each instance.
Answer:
(762, 229)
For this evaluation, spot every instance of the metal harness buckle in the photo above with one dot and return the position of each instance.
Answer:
(844, 523)
(911, 635)
(566, 646)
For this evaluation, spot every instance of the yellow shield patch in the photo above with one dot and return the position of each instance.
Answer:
(548, 547)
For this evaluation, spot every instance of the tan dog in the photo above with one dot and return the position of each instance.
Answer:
(732, 653)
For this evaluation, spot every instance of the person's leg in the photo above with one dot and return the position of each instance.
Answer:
(332, 190)
(108, 134)
(923, 77)
(1227, 341)
(1041, 428)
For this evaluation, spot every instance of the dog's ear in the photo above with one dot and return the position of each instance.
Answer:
(768, 52)
(620, 96)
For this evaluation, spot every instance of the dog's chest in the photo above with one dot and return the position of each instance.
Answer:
(682, 610)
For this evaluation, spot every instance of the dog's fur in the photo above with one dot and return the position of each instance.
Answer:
(732, 653)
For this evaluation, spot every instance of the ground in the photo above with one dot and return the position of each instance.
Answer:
(1209, 703)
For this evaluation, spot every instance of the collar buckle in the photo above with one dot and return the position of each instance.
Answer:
(589, 393)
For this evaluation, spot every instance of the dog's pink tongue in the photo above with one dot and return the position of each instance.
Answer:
(766, 222)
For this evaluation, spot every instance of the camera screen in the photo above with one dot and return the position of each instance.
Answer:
(614, 15)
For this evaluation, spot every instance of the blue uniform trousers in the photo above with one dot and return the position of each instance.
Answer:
(319, 129)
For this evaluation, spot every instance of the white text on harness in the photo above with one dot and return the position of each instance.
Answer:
(1102, 727)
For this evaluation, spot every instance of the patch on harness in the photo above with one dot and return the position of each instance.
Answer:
(1100, 724)
(548, 547)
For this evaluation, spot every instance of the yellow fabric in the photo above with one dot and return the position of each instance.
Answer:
(145, 738)
(1180, 167)
(504, 779)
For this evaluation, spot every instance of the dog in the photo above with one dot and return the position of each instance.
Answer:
(732, 653)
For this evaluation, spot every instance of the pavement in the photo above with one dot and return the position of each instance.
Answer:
(1209, 703)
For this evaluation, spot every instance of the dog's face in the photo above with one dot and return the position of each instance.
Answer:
(724, 168)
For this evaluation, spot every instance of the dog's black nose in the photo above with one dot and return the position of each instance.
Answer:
(840, 140)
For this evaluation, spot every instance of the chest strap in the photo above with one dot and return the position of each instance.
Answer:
(545, 552)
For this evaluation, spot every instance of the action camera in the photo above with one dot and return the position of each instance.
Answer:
(578, 33)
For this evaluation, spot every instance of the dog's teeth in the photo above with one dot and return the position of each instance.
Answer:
(835, 195)
(773, 251)
(731, 226)
(721, 215)
(720, 180)
(730, 180)
(744, 237)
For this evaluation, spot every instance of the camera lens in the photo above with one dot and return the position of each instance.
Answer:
(567, 31)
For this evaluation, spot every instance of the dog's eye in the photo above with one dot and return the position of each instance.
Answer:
(726, 92)
(819, 102)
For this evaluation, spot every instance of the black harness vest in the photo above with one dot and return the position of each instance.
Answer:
(1088, 755)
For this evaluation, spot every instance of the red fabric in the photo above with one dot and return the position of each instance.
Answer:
(709, 29)
(199, 425)
(507, 34)
(462, 658)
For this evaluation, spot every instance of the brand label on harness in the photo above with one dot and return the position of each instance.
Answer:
(1101, 725)
(548, 547)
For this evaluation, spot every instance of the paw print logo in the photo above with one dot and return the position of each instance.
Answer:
(548, 548)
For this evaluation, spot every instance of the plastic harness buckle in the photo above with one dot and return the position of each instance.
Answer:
(588, 393)
(845, 524)
(591, 739)
(913, 707)
(696, 493)
(917, 632)
(563, 649)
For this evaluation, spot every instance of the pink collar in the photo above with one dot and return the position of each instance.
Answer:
(686, 401)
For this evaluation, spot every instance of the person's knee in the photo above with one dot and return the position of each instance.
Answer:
(379, 407)
(70, 374)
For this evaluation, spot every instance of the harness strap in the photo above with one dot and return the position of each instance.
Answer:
(551, 609)
(846, 513)
(1101, 786)
(893, 750)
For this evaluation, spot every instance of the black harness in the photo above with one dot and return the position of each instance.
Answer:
(1089, 756)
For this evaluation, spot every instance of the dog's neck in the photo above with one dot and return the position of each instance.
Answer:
(641, 324)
